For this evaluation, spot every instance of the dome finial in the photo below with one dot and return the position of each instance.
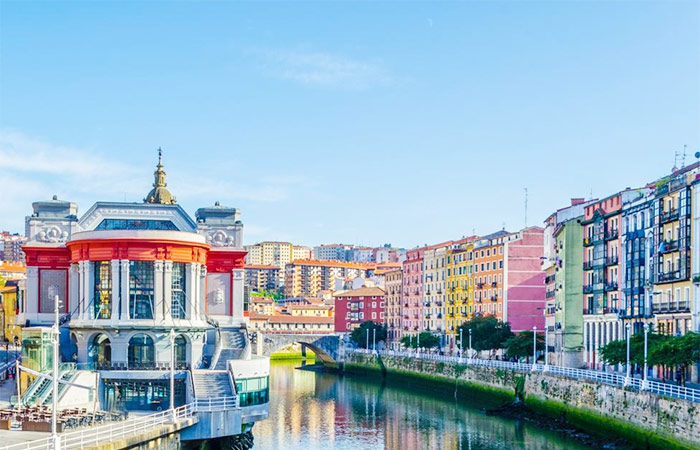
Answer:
(159, 194)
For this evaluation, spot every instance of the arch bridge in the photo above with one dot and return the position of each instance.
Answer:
(325, 346)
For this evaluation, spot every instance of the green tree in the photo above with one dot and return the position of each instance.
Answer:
(520, 345)
(488, 333)
(615, 352)
(679, 352)
(359, 334)
(425, 338)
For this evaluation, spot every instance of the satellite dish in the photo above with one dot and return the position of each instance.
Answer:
(697, 154)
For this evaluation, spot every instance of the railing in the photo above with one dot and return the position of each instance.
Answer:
(103, 434)
(215, 404)
(669, 390)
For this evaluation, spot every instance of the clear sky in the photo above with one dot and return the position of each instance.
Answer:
(354, 122)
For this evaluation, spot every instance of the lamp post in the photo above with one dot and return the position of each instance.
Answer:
(461, 347)
(534, 347)
(172, 372)
(54, 381)
(374, 339)
(628, 370)
(470, 343)
(367, 341)
(646, 352)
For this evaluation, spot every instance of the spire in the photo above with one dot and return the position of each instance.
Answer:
(160, 194)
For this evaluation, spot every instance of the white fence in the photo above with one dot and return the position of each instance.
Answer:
(668, 390)
(215, 404)
(94, 436)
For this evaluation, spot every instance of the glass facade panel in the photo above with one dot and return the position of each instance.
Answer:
(141, 289)
(148, 395)
(135, 224)
(102, 295)
(253, 391)
(180, 352)
(178, 291)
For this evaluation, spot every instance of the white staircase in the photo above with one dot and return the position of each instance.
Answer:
(211, 384)
(233, 343)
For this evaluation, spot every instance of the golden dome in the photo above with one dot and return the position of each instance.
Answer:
(160, 194)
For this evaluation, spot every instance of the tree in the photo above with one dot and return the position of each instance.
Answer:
(359, 334)
(488, 333)
(615, 352)
(425, 339)
(520, 345)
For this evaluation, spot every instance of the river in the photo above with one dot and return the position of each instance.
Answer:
(324, 411)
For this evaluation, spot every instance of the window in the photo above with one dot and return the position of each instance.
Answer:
(178, 291)
(102, 294)
(131, 224)
(142, 353)
(374, 315)
(141, 289)
(374, 305)
(252, 391)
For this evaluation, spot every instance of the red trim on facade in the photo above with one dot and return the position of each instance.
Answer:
(138, 250)
(47, 257)
(220, 261)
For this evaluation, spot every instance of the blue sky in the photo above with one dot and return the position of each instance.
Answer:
(401, 122)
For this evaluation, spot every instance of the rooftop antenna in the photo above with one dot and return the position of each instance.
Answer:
(525, 207)
(685, 148)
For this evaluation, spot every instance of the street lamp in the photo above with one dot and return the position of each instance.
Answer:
(172, 372)
(461, 347)
(470, 343)
(628, 368)
(534, 347)
(646, 350)
(367, 342)
(374, 339)
(54, 381)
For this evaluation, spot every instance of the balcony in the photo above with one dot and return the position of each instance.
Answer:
(670, 307)
(611, 310)
(494, 284)
(611, 234)
(549, 294)
(611, 287)
(611, 260)
(451, 315)
(588, 289)
(666, 277)
(587, 265)
(439, 304)
(427, 304)
(494, 298)
(587, 242)
(480, 285)
(668, 246)
(439, 315)
(669, 216)
(439, 292)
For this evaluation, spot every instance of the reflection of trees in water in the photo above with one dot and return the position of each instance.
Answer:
(321, 411)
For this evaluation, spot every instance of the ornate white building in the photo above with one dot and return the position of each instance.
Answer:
(127, 275)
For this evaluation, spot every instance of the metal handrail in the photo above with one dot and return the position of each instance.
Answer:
(614, 379)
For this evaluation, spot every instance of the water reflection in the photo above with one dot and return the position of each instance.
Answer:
(312, 411)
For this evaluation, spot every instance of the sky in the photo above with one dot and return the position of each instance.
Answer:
(407, 123)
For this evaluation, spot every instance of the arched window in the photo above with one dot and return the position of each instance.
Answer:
(100, 352)
(180, 352)
(142, 352)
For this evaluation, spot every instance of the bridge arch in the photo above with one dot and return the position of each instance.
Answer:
(325, 346)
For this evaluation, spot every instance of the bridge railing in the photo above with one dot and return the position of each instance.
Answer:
(614, 379)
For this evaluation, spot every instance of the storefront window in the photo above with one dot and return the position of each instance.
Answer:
(148, 395)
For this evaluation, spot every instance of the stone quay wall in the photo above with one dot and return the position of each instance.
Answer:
(646, 420)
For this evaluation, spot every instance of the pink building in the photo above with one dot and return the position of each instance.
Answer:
(357, 306)
(523, 280)
(411, 314)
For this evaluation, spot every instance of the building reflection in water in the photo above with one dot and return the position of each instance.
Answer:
(312, 411)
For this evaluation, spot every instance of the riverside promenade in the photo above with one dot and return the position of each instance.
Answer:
(648, 414)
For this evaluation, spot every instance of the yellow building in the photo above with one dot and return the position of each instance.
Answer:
(310, 310)
(459, 289)
(10, 299)
(673, 281)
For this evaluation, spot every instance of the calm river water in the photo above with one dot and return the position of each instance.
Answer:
(321, 411)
